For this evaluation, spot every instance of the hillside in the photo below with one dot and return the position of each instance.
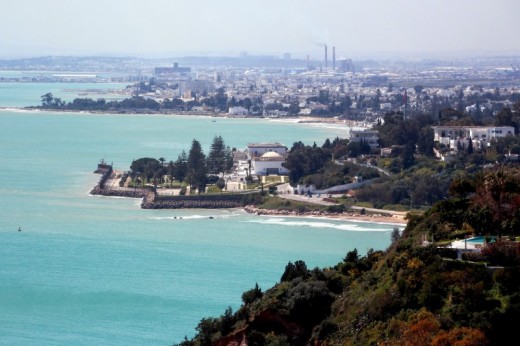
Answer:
(414, 293)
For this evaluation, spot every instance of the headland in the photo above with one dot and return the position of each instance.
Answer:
(248, 201)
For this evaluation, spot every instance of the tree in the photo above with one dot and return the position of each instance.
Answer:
(498, 185)
(461, 187)
(292, 271)
(309, 302)
(196, 173)
(396, 234)
(252, 295)
(47, 100)
(218, 158)
(227, 321)
(470, 146)
(460, 336)
(205, 328)
(425, 141)
(146, 167)
(181, 167)
(427, 189)
(504, 117)
(304, 160)
(408, 155)
(220, 184)
(421, 329)
(170, 171)
(58, 103)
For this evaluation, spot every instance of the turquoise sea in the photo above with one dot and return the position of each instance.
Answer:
(89, 270)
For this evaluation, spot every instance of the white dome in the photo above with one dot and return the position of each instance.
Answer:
(271, 154)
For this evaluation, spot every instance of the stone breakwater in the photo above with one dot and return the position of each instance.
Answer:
(204, 202)
(131, 193)
(152, 201)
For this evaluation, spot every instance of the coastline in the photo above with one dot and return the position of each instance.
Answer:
(149, 201)
(386, 218)
(296, 119)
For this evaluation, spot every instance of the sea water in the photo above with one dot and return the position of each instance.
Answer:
(87, 270)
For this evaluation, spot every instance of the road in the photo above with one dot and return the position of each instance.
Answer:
(319, 200)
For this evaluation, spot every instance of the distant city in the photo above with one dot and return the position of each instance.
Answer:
(283, 86)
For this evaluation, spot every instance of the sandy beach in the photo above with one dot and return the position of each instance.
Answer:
(390, 217)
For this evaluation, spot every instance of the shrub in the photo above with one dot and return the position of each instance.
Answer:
(340, 208)
(292, 271)
(252, 295)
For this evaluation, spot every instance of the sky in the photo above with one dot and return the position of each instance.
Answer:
(163, 28)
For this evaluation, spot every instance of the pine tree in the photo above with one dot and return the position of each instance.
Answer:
(216, 161)
(196, 174)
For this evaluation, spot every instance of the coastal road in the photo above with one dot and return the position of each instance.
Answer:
(319, 200)
(302, 198)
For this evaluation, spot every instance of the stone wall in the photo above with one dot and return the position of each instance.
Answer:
(152, 201)
(199, 201)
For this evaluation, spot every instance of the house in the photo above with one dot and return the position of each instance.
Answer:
(238, 111)
(254, 150)
(459, 136)
(386, 152)
(370, 137)
(267, 158)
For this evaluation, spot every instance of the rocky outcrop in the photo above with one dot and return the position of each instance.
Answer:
(268, 320)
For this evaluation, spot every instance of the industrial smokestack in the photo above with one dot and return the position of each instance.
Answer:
(325, 56)
(334, 58)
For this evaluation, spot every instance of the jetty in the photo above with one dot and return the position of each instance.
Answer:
(107, 186)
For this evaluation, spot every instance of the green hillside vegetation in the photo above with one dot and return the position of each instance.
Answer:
(416, 179)
(413, 293)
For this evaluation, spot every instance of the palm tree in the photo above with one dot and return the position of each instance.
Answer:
(170, 172)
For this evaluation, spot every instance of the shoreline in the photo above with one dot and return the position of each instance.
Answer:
(296, 119)
(394, 219)
(149, 201)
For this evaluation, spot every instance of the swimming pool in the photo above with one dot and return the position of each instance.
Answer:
(481, 239)
(473, 243)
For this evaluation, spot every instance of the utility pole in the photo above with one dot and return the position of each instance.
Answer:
(405, 104)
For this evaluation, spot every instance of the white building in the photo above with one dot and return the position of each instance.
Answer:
(451, 136)
(370, 137)
(267, 158)
(258, 149)
(238, 111)
(269, 163)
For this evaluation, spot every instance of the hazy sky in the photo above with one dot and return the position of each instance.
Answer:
(165, 28)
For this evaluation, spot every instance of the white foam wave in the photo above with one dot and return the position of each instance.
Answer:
(353, 227)
(18, 110)
(181, 217)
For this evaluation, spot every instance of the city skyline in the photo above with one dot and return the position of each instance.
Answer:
(160, 28)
